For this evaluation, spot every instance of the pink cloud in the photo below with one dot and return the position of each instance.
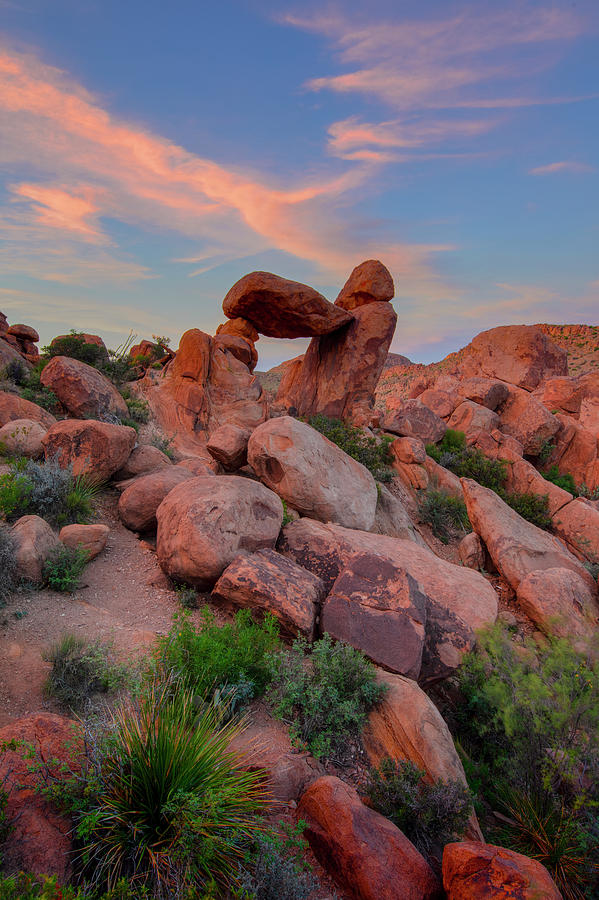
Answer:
(564, 166)
(58, 208)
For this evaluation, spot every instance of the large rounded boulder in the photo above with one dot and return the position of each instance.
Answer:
(82, 390)
(92, 448)
(140, 500)
(204, 523)
(312, 474)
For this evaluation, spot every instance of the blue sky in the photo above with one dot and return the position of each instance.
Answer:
(152, 153)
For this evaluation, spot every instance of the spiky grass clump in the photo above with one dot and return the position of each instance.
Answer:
(175, 811)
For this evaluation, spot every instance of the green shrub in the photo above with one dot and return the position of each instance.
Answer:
(5, 823)
(33, 390)
(80, 669)
(430, 815)
(8, 563)
(63, 569)
(472, 463)
(47, 490)
(16, 371)
(324, 699)
(209, 656)
(372, 452)
(187, 596)
(532, 507)
(547, 448)
(275, 868)
(139, 411)
(447, 515)
(74, 345)
(34, 887)
(453, 441)
(566, 482)
(164, 444)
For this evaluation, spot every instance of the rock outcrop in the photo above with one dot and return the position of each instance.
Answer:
(83, 391)
(521, 355)
(92, 448)
(476, 871)
(13, 407)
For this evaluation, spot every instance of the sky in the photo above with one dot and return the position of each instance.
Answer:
(152, 153)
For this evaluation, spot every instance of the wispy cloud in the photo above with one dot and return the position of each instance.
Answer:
(577, 168)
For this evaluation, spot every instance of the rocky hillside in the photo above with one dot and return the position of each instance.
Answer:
(391, 571)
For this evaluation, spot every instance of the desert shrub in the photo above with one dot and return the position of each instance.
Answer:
(164, 444)
(75, 346)
(47, 490)
(592, 568)
(63, 568)
(584, 491)
(80, 669)
(119, 367)
(472, 463)
(139, 411)
(8, 563)
(169, 807)
(547, 448)
(34, 887)
(565, 481)
(187, 596)
(33, 390)
(275, 868)
(211, 657)
(532, 507)
(430, 815)
(453, 441)
(16, 371)
(372, 452)
(446, 514)
(324, 699)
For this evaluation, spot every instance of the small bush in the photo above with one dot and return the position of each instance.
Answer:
(164, 444)
(210, 657)
(566, 482)
(33, 887)
(447, 515)
(532, 507)
(452, 442)
(16, 371)
(372, 452)
(47, 490)
(324, 699)
(187, 596)
(547, 448)
(33, 390)
(81, 669)
(275, 869)
(8, 563)
(63, 569)
(139, 411)
(75, 346)
(430, 815)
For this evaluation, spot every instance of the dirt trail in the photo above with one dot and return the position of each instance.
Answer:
(124, 598)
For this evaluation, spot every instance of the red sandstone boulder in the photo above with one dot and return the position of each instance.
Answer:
(559, 602)
(487, 392)
(13, 407)
(198, 466)
(527, 420)
(364, 852)
(442, 403)
(312, 474)
(376, 607)
(442, 479)
(589, 415)
(82, 390)
(24, 333)
(228, 445)
(92, 538)
(143, 459)
(94, 339)
(34, 543)
(281, 308)
(471, 417)
(240, 327)
(522, 355)
(10, 353)
(23, 437)
(369, 282)
(392, 518)
(578, 524)
(472, 551)
(414, 419)
(193, 356)
(92, 448)
(39, 841)
(566, 393)
(267, 582)
(204, 523)
(475, 871)
(140, 500)
(575, 450)
(408, 450)
(523, 478)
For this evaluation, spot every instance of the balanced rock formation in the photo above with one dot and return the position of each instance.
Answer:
(369, 282)
(83, 391)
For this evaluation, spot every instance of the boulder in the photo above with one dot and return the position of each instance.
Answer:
(94, 339)
(92, 448)
(487, 392)
(204, 523)
(363, 851)
(24, 333)
(228, 445)
(83, 391)
(34, 543)
(369, 282)
(477, 871)
(140, 500)
(527, 420)
(517, 547)
(523, 478)
(13, 407)
(566, 393)
(198, 466)
(280, 308)
(443, 479)
(413, 475)
(442, 403)
(392, 518)
(39, 841)
(414, 419)
(8, 353)
(143, 459)
(521, 355)
(472, 551)
(575, 450)
(312, 474)
(376, 607)
(339, 372)
(471, 417)
(267, 582)
(589, 415)
(559, 602)
(408, 450)
(23, 437)
(578, 524)
(92, 538)
(241, 328)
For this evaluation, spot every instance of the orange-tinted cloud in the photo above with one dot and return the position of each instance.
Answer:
(63, 209)
(577, 168)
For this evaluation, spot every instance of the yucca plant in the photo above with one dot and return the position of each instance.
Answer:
(79, 502)
(175, 811)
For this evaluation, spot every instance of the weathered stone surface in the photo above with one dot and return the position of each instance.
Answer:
(9, 353)
(339, 372)
(414, 419)
(522, 355)
(204, 523)
(442, 403)
(82, 390)
(39, 841)
(527, 420)
(228, 445)
(91, 537)
(364, 852)
(24, 333)
(392, 518)
(369, 282)
(281, 308)
(487, 392)
(92, 448)
(312, 474)
(559, 602)
(138, 502)
(413, 475)
(578, 524)
(379, 609)
(517, 547)
(575, 451)
(472, 552)
(34, 543)
(267, 582)
(143, 459)
(566, 393)
(408, 450)
(23, 437)
(240, 327)
(471, 417)
(523, 478)
(443, 479)
(476, 871)
(198, 466)
(13, 407)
